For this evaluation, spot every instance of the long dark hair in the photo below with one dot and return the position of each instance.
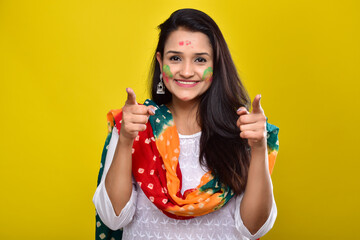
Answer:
(221, 149)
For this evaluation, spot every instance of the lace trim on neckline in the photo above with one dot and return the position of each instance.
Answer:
(190, 136)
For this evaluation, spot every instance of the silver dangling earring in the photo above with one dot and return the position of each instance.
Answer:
(160, 87)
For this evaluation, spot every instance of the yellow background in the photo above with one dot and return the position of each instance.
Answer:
(64, 64)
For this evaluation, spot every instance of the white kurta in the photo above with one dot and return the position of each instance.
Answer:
(140, 219)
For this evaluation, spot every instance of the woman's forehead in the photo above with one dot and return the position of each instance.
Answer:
(184, 40)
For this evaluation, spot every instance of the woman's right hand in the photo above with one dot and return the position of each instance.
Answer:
(134, 117)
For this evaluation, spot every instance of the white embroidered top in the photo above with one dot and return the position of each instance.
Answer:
(140, 219)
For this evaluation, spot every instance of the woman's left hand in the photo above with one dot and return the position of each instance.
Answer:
(253, 125)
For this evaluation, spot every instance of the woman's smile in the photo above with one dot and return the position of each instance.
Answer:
(186, 83)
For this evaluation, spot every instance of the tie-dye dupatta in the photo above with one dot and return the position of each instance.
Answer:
(156, 168)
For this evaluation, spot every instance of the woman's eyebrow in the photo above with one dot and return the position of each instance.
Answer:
(202, 53)
(197, 54)
(175, 52)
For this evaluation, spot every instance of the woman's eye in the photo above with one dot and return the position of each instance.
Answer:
(175, 58)
(200, 59)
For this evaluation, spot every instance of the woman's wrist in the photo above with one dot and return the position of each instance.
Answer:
(259, 152)
(125, 141)
(259, 146)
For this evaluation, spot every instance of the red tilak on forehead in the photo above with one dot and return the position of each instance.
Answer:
(187, 42)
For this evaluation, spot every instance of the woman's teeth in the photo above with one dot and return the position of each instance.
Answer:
(188, 83)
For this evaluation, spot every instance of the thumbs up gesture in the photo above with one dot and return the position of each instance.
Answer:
(134, 117)
(253, 125)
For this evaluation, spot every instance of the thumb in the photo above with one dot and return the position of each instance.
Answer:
(256, 106)
(151, 110)
(131, 98)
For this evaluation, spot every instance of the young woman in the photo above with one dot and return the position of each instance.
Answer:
(192, 162)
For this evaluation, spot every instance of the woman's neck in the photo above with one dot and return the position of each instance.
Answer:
(185, 116)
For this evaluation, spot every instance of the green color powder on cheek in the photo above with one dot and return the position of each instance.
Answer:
(167, 73)
(208, 73)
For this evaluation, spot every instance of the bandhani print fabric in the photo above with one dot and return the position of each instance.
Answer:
(156, 169)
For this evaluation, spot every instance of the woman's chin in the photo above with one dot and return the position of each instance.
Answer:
(188, 98)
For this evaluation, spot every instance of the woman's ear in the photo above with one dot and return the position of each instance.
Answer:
(159, 59)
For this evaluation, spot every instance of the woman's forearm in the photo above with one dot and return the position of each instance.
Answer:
(257, 201)
(118, 181)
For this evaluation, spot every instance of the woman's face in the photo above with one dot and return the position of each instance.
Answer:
(187, 64)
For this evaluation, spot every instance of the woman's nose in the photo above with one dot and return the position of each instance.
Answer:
(187, 70)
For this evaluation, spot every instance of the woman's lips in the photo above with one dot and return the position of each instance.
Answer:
(186, 83)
